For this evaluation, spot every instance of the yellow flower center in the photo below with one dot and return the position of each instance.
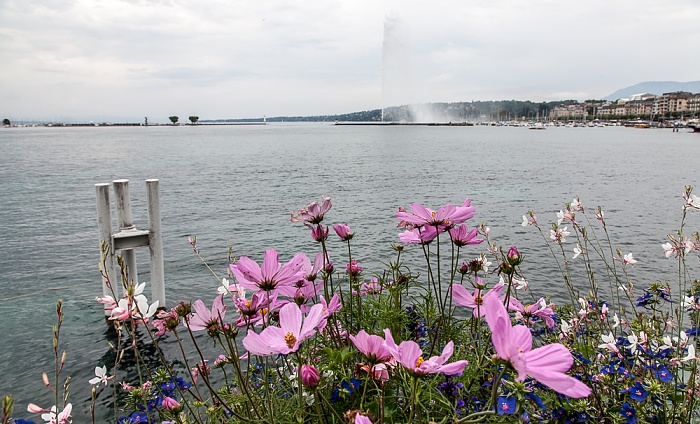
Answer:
(419, 361)
(247, 304)
(290, 340)
(478, 299)
(263, 311)
(432, 214)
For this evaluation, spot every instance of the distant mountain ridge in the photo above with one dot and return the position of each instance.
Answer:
(655, 87)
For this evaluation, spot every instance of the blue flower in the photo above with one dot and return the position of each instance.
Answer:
(628, 413)
(505, 405)
(538, 400)
(136, 417)
(662, 373)
(21, 421)
(692, 332)
(637, 392)
(644, 299)
(582, 417)
(449, 388)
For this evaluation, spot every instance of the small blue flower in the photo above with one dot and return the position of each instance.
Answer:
(21, 421)
(628, 413)
(662, 373)
(582, 417)
(692, 332)
(505, 405)
(638, 392)
(644, 299)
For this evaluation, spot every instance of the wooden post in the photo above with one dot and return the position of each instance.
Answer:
(104, 226)
(155, 243)
(125, 223)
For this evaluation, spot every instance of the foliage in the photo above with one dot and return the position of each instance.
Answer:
(174, 119)
(310, 341)
(194, 119)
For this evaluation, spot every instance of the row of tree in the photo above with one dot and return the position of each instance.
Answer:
(192, 119)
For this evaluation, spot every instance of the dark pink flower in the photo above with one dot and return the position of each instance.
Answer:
(514, 258)
(319, 233)
(462, 236)
(353, 269)
(546, 364)
(252, 276)
(170, 403)
(309, 376)
(313, 214)
(343, 231)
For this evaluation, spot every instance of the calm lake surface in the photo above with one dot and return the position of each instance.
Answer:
(236, 185)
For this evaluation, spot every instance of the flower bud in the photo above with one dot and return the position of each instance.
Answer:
(464, 268)
(309, 376)
(343, 231)
(513, 256)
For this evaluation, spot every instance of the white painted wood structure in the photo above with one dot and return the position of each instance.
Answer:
(127, 238)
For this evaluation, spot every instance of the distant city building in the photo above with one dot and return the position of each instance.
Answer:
(642, 104)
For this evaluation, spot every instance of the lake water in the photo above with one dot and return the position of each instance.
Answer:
(236, 185)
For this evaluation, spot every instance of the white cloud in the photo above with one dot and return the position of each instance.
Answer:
(248, 58)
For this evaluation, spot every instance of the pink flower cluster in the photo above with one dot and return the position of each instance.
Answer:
(423, 224)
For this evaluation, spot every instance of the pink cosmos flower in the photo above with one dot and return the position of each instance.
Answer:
(461, 236)
(343, 231)
(546, 364)
(253, 311)
(422, 235)
(286, 338)
(201, 368)
(445, 216)
(373, 347)
(352, 268)
(475, 300)
(329, 308)
(362, 419)
(310, 271)
(313, 214)
(252, 276)
(319, 233)
(410, 356)
(203, 319)
(525, 313)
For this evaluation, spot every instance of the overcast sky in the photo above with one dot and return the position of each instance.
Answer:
(123, 60)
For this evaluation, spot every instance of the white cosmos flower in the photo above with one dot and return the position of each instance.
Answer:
(628, 259)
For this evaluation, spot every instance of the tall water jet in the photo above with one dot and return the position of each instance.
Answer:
(399, 88)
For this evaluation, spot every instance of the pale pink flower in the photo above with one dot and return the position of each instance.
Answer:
(628, 259)
(546, 364)
(559, 234)
(272, 274)
(313, 214)
(420, 235)
(445, 216)
(474, 300)
(409, 354)
(373, 347)
(100, 376)
(526, 312)
(203, 319)
(577, 251)
(362, 419)
(329, 308)
(286, 338)
(49, 415)
(691, 201)
(201, 368)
